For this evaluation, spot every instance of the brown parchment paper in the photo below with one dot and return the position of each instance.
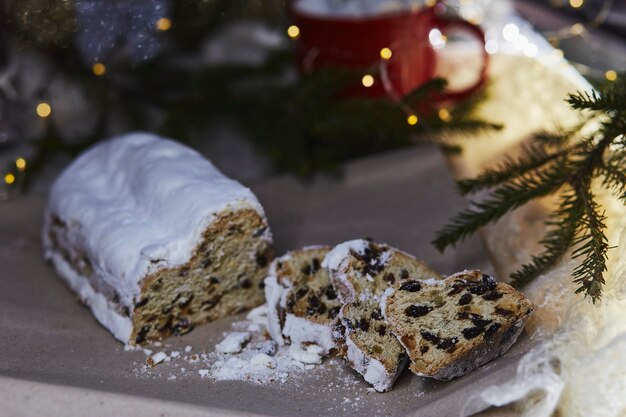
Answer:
(56, 360)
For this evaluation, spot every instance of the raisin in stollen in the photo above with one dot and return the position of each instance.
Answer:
(302, 303)
(454, 326)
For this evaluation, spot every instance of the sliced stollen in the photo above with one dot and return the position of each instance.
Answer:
(453, 326)
(361, 271)
(364, 340)
(302, 303)
(154, 239)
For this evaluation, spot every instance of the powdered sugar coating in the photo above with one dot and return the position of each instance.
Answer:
(300, 330)
(137, 204)
(275, 296)
(338, 255)
(121, 326)
(338, 260)
(296, 330)
(373, 370)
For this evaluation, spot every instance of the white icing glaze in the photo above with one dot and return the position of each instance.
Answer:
(300, 330)
(120, 326)
(140, 199)
(136, 204)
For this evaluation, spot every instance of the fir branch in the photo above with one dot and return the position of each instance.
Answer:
(425, 92)
(504, 199)
(533, 156)
(565, 162)
(592, 246)
(609, 101)
(562, 228)
(615, 177)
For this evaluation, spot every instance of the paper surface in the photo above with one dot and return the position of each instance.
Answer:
(47, 337)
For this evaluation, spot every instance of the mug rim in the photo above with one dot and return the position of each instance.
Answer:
(390, 16)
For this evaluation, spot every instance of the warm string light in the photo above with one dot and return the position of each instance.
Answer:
(20, 164)
(578, 29)
(163, 24)
(43, 109)
(98, 69)
(437, 40)
(293, 31)
(576, 3)
(610, 75)
(367, 80)
(386, 54)
(444, 114)
(9, 178)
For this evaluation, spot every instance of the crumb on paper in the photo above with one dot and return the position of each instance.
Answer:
(261, 359)
(242, 355)
(233, 342)
(310, 354)
(156, 358)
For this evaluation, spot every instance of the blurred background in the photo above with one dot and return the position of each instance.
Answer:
(221, 76)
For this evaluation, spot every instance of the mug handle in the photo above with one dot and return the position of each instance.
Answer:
(474, 30)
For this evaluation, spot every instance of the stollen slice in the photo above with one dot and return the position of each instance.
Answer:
(361, 270)
(366, 343)
(302, 303)
(453, 326)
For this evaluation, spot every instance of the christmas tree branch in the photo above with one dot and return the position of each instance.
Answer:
(504, 199)
(558, 239)
(564, 163)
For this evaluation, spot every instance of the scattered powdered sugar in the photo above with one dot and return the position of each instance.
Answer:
(245, 353)
(310, 354)
(233, 342)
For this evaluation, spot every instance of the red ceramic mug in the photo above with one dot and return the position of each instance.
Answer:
(356, 43)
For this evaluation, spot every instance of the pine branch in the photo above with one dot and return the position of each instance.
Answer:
(615, 177)
(533, 156)
(560, 136)
(425, 92)
(564, 158)
(608, 101)
(558, 239)
(504, 199)
(592, 246)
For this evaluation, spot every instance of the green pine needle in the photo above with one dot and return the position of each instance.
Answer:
(566, 163)
(504, 199)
